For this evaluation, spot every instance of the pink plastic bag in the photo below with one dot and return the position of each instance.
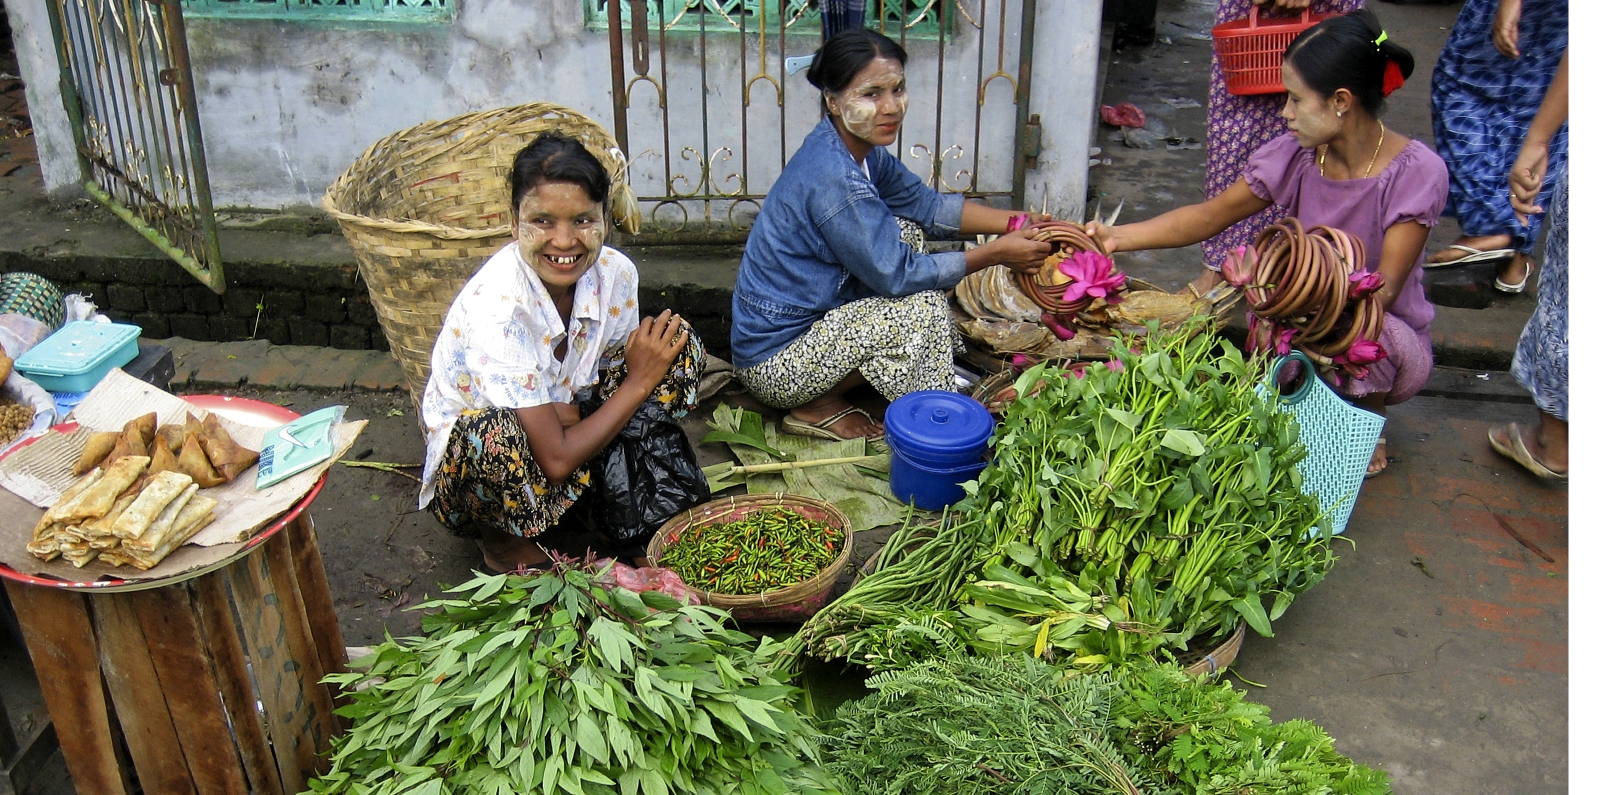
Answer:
(1125, 115)
(639, 580)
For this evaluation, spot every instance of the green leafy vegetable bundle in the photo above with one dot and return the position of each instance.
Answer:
(1013, 724)
(1128, 509)
(555, 684)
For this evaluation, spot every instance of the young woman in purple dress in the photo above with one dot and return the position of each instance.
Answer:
(1338, 166)
(1236, 126)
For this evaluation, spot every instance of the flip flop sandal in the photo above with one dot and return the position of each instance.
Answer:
(1511, 289)
(1382, 442)
(1473, 255)
(1518, 451)
(819, 430)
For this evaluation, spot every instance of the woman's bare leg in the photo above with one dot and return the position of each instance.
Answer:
(503, 551)
(832, 402)
(1375, 402)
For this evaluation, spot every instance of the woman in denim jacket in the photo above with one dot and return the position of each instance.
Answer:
(834, 291)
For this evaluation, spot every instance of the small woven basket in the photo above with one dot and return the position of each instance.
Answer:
(1207, 663)
(791, 604)
(424, 207)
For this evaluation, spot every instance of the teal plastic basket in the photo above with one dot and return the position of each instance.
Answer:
(1339, 439)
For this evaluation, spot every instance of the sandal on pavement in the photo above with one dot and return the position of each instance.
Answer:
(1511, 289)
(1518, 451)
(1472, 255)
(820, 429)
(1384, 443)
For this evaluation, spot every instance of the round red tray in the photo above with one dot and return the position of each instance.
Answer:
(242, 410)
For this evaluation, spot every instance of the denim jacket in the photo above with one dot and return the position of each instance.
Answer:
(827, 236)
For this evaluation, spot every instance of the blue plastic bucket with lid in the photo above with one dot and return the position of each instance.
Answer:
(937, 441)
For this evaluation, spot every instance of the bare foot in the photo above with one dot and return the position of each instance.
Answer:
(851, 426)
(503, 552)
(1380, 459)
(1205, 282)
(1514, 270)
(1481, 243)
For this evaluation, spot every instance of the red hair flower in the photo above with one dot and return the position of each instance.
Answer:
(1392, 78)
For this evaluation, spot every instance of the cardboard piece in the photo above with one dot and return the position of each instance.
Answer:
(35, 476)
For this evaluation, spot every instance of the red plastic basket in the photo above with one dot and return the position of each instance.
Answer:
(1250, 51)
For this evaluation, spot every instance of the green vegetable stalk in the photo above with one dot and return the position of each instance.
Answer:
(553, 683)
(1157, 498)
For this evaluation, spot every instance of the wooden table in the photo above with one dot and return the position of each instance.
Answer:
(194, 685)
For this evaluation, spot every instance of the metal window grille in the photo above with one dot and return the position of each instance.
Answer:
(393, 10)
(919, 18)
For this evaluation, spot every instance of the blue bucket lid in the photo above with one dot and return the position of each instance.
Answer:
(937, 426)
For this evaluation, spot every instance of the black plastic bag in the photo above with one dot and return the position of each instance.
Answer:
(645, 476)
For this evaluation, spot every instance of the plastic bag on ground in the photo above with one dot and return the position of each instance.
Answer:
(21, 390)
(19, 333)
(648, 578)
(645, 476)
(1125, 115)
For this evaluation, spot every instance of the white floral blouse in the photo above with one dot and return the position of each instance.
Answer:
(497, 348)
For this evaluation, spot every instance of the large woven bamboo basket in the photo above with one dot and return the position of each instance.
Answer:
(794, 603)
(424, 207)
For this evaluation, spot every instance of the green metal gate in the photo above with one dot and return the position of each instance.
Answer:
(128, 89)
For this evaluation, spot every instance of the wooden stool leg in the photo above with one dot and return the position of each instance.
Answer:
(173, 634)
(61, 642)
(299, 712)
(313, 579)
(130, 675)
(233, 682)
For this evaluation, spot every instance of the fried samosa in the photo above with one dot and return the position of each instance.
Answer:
(158, 493)
(192, 519)
(152, 538)
(67, 501)
(99, 499)
(192, 461)
(145, 426)
(129, 443)
(95, 450)
(226, 455)
(172, 434)
(162, 458)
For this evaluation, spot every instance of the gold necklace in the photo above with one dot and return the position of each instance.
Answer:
(1382, 131)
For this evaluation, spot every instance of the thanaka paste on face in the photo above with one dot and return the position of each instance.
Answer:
(532, 240)
(857, 111)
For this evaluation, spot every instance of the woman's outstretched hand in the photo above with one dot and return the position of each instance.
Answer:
(653, 347)
(1103, 235)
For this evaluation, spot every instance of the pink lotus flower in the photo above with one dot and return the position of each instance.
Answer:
(1093, 275)
(1239, 267)
(1057, 326)
(1021, 361)
(1286, 341)
(1115, 365)
(1364, 283)
(1362, 353)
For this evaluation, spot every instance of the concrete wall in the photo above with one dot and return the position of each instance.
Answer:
(287, 106)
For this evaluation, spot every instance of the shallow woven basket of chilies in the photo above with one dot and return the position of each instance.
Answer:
(1301, 280)
(790, 604)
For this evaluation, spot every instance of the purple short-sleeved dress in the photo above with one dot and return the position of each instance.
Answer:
(1413, 187)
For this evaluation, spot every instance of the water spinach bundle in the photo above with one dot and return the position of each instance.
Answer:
(554, 684)
(1133, 507)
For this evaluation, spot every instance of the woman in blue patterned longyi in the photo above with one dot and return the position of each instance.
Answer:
(1496, 65)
